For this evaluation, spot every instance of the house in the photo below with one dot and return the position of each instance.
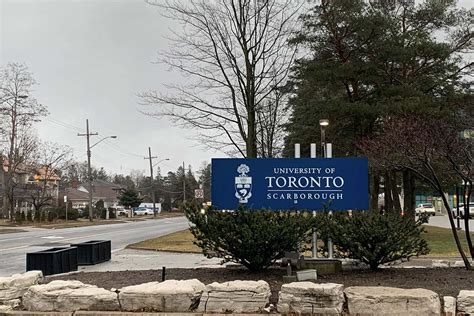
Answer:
(20, 179)
(101, 190)
(32, 185)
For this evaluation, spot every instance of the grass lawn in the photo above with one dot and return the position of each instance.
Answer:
(9, 230)
(440, 240)
(181, 241)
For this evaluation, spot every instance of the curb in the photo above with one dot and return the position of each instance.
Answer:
(103, 313)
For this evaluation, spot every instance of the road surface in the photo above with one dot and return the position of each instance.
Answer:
(13, 247)
(443, 221)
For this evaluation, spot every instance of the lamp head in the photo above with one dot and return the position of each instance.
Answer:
(324, 122)
(113, 136)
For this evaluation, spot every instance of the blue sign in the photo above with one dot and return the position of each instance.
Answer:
(286, 184)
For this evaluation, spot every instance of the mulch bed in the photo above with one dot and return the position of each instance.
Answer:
(442, 281)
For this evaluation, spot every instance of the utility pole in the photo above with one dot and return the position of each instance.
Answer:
(152, 179)
(184, 185)
(89, 171)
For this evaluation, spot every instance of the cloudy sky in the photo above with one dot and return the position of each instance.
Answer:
(90, 58)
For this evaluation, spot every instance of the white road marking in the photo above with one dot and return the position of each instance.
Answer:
(82, 237)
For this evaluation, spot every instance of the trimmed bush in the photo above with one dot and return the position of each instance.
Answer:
(255, 239)
(18, 218)
(72, 214)
(29, 216)
(377, 239)
(52, 215)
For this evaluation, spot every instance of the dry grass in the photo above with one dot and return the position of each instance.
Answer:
(440, 241)
(81, 222)
(181, 241)
(10, 231)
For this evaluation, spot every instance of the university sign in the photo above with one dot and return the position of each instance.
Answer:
(285, 184)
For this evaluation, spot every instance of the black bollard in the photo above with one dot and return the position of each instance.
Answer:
(163, 274)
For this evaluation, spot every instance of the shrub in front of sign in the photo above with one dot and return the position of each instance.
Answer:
(253, 238)
(376, 239)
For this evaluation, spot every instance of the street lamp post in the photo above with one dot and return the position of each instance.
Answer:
(323, 123)
(89, 171)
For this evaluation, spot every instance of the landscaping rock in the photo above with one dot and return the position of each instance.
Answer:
(449, 306)
(235, 297)
(466, 302)
(167, 296)
(5, 308)
(371, 300)
(311, 298)
(440, 263)
(14, 287)
(14, 304)
(307, 275)
(68, 296)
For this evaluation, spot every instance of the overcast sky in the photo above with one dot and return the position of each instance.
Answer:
(90, 58)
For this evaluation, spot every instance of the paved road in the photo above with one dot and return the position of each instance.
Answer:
(13, 247)
(443, 221)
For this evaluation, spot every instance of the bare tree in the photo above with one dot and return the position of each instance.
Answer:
(52, 160)
(18, 110)
(17, 167)
(233, 55)
(433, 151)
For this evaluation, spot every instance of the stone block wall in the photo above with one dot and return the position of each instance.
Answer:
(242, 297)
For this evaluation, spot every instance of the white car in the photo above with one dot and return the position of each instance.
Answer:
(425, 208)
(143, 211)
(461, 210)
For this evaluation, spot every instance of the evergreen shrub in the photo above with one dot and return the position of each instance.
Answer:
(29, 216)
(253, 238)
(376, 239)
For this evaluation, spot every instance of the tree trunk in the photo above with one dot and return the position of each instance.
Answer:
(388, 193)
(374, 194)
(395, 196)
(437, 185)
(409, 198)
(467, 197)
(251, 144)
(454, 230)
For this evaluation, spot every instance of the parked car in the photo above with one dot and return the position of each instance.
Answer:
(461, 210)
(142, 211)
(122, 212)
(425, 208)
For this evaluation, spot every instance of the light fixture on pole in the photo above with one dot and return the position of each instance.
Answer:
(323, 123)
(89, 170)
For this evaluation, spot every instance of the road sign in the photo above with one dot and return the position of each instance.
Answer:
(65, 199)
(199, 194)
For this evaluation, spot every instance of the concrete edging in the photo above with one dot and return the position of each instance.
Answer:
(91, 313)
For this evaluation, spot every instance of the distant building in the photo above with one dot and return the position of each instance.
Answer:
(29, 182)
(101, 190)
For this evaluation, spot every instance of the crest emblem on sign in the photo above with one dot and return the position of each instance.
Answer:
(243, 184)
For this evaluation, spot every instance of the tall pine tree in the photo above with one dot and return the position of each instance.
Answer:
(369, 60)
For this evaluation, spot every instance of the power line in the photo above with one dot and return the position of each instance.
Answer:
(63, 124)
(118, 149)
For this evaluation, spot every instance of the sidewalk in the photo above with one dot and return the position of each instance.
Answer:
(130, 259)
